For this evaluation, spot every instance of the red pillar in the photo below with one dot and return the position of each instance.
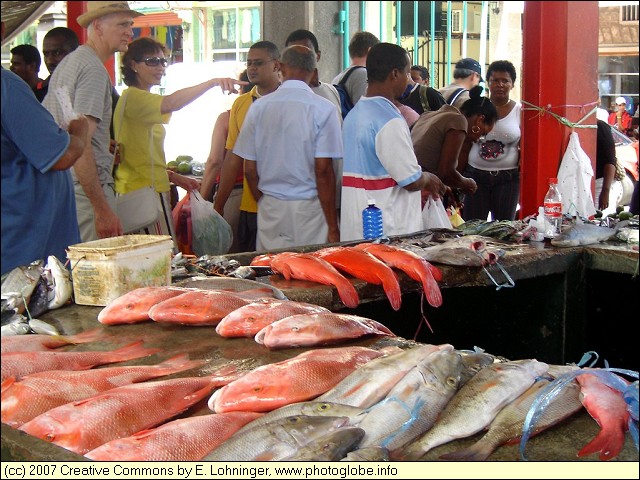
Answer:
(559, 67)
(74, 10)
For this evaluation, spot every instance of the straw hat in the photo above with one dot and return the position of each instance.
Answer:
(100, 9)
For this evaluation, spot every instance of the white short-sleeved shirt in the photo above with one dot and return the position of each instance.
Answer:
(378, 162)
(284, 132)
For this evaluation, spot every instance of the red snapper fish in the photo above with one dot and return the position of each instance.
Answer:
(36, 393)
(248, 320)
(120, 412)
(296, 379)
(133, 307)
(364, 266)
(607, 407)
(312, 329)
(182, 440)
(19, 364)
(304, 266)
(412, 264)
(197, 307)
(42, 343)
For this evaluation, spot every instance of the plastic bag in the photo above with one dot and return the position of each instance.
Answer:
(212, 235)
(454, 216)
(181, 214)
(434, 215)
(574, 180)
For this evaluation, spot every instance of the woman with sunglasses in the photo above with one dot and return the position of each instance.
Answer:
(138, 126)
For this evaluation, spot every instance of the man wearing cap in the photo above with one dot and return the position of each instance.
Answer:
(83, 76)
(621, 119)
(466, 75)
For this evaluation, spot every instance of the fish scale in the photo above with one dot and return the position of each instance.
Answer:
(476, 404)
(120, 412)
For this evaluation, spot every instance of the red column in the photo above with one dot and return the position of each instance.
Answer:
(74, 10)
(559, 67)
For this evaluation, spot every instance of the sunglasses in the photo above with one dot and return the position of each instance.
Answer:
(155, 61)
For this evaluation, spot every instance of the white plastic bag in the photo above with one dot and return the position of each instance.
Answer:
(574, 180)
(211, 234)
(434, 215)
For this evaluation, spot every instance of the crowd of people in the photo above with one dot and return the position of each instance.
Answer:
(285, 168)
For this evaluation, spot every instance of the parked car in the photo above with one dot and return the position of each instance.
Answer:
(627, 155)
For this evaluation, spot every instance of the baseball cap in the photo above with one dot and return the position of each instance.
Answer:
(470, 64)
(620, 100)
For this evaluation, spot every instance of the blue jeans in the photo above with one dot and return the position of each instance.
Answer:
(498, 192)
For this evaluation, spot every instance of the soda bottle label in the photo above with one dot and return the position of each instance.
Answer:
(553, 209)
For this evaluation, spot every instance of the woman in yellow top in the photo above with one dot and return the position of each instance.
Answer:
(138, 125)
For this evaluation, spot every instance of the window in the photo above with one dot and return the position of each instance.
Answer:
(629, 14)
(233, 30)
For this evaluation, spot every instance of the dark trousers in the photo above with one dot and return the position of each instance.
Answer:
(498, 192)
(247, 231)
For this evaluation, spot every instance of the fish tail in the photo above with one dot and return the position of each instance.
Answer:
(347, 293)
(475, 453)
(177, 363)
(608, 442)
(435, 271)
(131, 351)
(85, 337)
(392, 290)
(431, 289)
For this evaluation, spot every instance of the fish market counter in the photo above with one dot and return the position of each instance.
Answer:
(552, 313)
(559, 443)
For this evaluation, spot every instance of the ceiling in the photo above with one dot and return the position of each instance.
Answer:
(19, 15)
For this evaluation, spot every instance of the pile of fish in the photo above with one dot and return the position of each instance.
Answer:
(323, 404)
(31, 290)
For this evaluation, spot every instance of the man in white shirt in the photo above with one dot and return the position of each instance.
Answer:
(288, 141)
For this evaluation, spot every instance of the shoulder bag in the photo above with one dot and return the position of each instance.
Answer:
(137, 209)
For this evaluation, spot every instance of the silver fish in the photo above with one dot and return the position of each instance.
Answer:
(19, 283)
(42, 328)
(59, 278)
(330, 447)
(413, 405)
(312, 409)
(467, 251)
(367, 454)
(275, 440)
(476, 404)
(15, 328)
(370, 383)
(582, 234)
(507, 426)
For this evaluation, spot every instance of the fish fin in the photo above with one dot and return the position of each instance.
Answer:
(133, 350)
(392, 290)
(475, 453)
(431, 289)
(435, 271)
(178, 363)
(7, 383)
(608, 442)
(348, 294)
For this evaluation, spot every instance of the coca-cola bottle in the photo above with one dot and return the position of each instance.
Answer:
(552, 209)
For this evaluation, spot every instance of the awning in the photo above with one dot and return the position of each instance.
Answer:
(166, 19)
(19, 15)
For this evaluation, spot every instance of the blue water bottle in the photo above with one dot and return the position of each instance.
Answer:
(372, 221)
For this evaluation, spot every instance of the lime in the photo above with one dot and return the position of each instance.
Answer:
(172, 165)
(625, 215)
(598, 214)
(184, 168)
(619, 208)
(184, 158)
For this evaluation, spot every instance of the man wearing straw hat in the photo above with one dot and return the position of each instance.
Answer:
(82, 78)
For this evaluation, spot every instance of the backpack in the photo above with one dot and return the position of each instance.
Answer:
(454, 96)
(345, 100)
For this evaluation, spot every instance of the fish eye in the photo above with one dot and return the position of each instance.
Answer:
(295, 329)
(324, 406)
(50, 437)
(451, 381)
(257, 389)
